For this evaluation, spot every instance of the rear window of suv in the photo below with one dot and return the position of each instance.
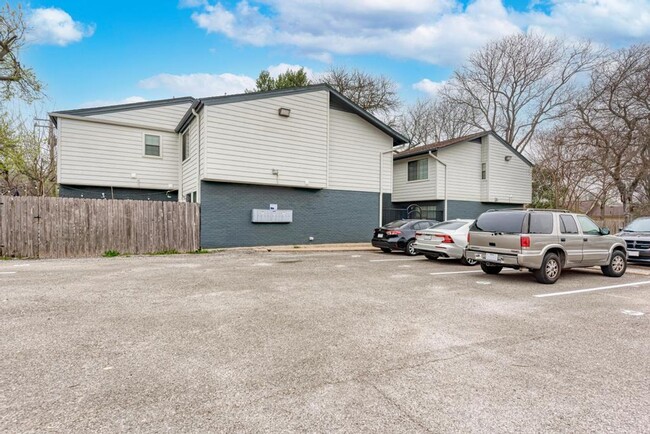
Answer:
(510, 222)
(515, 222)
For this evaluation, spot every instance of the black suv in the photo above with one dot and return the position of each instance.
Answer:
(637, 238)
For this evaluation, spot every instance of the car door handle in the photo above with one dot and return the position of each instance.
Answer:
(585, 239)
(562, 239)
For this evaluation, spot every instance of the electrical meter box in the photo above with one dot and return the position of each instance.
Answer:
(272, 216)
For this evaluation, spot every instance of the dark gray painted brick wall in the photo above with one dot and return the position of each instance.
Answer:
(460, 209)
(330, 216)
(88, 192)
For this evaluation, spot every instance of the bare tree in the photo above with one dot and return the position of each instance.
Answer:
(565, 174)
(434, 120)
(375, 93)
(516, 84)
(613, 120)
(15, 79)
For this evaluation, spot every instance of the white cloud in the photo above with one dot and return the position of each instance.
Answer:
(53, 26)
(199, 85)
(607, 21)
(105, 102)
(429, 87)
(439, 32)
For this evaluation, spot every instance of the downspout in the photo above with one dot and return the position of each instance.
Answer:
(198, 156)
(445, 166)
(381, 184)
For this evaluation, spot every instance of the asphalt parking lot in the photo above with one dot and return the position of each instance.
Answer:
(338, 341)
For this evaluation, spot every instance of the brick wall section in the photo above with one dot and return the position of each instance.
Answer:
(460, 209)
(87, 192)
(330, 216)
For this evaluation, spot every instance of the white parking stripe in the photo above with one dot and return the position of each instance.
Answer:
(391, 260)
(467, 272)
(7, 272)
(456, 272)
(577, 291)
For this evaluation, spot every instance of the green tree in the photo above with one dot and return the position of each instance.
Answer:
(290, 78)
(16, 80)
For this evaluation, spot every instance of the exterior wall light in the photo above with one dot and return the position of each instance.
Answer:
(508, 157)
(284, 112)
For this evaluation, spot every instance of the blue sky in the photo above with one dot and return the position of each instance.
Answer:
(102, 52)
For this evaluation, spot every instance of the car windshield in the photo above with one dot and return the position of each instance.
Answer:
(501, 221)
(396, 224)
(638, 225)
(451, 225)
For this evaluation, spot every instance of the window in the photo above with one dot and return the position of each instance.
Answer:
(421, 225)
(152, 145)
(418, 169)
(588, 226)
(186, 146)
(540, 223)
(483, 170)
(451, 225)
(568, 225)
(191, 197)
(501, 221)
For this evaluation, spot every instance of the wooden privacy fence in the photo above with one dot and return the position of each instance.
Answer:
(53, 227)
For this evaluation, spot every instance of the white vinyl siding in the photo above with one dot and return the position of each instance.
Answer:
(509, 181)
(407, 191)
(354, 154)
(190, 165)
(464, 170)
(165, 117)
(107, 155)
(247, 140)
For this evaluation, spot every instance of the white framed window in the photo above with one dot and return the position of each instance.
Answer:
(418, 170)
(483, 170)
(186, 145)
(152, 145)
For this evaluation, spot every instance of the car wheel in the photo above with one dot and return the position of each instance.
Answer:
(431, 257)
(617, 265)
(385, 250)
(551, 269)
(409, 249)
(468, 261)
(490, 269)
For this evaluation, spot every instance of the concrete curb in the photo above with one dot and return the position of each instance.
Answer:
(347, 247)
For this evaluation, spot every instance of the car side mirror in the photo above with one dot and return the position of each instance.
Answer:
(604, 231)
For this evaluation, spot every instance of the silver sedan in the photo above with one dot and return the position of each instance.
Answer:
(445, 240)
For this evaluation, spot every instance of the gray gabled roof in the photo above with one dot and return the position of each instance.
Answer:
(336, 98)
(90, 111)
(424, 149)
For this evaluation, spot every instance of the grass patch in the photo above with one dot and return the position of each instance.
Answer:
(111, 253)
(165, 252)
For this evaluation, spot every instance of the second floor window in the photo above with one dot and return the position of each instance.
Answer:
(418, 169)
(186, 146)
(483, 171)
(152, 145)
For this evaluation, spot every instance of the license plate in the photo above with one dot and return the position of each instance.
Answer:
(633, 253)
(491, 257)
(380, 235)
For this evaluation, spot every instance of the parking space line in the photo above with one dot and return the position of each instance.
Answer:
(7, 272)
(398, 259)
(456, 272)
(577, 291)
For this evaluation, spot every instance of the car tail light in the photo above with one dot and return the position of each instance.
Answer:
(446, 238)
(393, 232)
(524, 241)
(468, 237)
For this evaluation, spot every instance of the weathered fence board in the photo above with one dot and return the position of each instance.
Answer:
(52, 227)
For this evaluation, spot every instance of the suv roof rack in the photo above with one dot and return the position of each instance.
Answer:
(529, 209)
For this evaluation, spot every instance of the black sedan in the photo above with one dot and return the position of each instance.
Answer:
(400, 235)
(637, 238)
